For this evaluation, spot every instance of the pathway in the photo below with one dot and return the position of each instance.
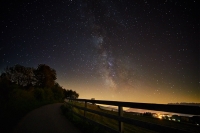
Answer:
(47, 119)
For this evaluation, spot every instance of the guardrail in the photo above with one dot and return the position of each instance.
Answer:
(183, 109)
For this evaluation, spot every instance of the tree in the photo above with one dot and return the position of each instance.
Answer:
(15, 73)
(71, 94)
(20, 75)
(29, 77)
(41, 80)
(58, 92)
(45, 76)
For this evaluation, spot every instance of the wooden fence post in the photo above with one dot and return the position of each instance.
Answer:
(84, 109)
(120, 114)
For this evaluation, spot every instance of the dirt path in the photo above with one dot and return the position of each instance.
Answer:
(47, 119)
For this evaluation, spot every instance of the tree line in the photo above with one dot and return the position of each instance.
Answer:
(43, 76)
(39, 79)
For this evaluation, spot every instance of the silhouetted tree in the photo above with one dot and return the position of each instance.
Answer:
(71, 94)
(29, 77)
(15, 74)
(20, 75)
(58, 92)
(45, 76)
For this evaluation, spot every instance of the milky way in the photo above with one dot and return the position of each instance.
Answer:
(141, 51)
(114, 72)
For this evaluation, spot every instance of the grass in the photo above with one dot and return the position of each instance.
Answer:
(84, 126)
(128, 128)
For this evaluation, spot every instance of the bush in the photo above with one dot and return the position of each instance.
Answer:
(39, 94)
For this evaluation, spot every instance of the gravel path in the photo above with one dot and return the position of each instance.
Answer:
(47, 119)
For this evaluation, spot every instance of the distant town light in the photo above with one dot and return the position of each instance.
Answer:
(160, 116)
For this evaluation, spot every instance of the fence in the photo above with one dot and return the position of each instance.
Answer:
(183, 109)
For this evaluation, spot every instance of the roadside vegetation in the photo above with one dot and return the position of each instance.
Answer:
(23, 89)
(83, 125)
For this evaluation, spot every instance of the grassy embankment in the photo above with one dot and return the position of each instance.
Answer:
(87, 127)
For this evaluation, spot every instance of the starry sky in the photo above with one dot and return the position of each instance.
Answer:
(124, 50)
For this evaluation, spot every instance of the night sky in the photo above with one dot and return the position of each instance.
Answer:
(124, 50)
